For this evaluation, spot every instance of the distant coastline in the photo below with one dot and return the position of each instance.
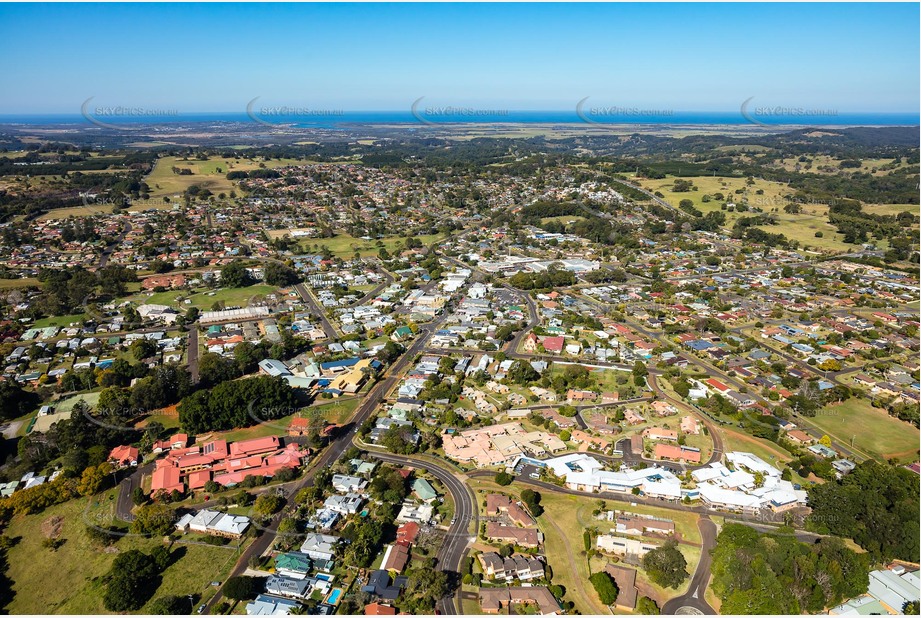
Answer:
(346, 119)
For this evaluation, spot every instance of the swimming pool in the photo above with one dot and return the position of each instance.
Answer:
(324, 577)
(333, 597)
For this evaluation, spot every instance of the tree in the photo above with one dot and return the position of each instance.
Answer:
(757, 573)
(666, 565)
(268, 503)
(877, 505)
(237, 403)
(138, 496)
(235, 275)
(504, 478)
(94, 478)
(279, 274)
(521, 372)
(143, 348)
(15, 401)
(214, 369)
(153, 520)
(242, 587)
(132, 580)
(647, 606)
(531, 499)
(171, 605)
(605, 587)
(248, 355)
(825, 440)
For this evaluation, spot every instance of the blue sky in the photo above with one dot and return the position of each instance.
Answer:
(688, 57)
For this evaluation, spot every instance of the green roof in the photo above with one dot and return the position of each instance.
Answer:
(424, 490)
(293, 561)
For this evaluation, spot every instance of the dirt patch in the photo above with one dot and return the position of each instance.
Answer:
(52, 527)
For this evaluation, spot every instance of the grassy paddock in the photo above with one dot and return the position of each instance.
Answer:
(164, 183)
(801, 227)
(202, 298)
(76, 567)
(345, 246)
(872, 429)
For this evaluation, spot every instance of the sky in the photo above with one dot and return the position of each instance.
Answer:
(850, 57)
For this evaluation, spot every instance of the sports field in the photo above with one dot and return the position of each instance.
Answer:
(345, 246)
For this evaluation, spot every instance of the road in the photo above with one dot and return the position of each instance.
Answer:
(693, 601)
(458, 537)
(318, 311)
(125, 501)
(104, 258)
(192, 352)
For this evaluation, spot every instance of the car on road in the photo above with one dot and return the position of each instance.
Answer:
(201, 609)
(453, 521)
(534, 475)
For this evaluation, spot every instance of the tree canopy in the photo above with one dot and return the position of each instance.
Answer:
(756, 573)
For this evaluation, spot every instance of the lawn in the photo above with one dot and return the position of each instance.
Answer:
(6, 284)
(765, 449)
(60, 320)
(63, 408)
(337, 412)
(276, 427)
(873, 431)
(571, 515)
(344, 245)
(204, 298)
(169, 421)
(76, 566)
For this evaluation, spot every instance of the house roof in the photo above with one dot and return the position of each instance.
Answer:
(378, 609)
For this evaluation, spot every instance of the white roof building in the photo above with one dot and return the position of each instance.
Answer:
(213, 522)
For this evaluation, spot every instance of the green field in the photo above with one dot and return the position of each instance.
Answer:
(66, 581)
(874, 432)
(164, 183)
(765, 449)
(60, 320)
(345, 246)
(6, 284)
(337, 412)
(801, 227)
(204, 298)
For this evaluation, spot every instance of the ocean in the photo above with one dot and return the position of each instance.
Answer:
(331, 119)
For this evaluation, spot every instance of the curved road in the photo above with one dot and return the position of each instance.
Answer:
(465, 511)
(693, 601)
